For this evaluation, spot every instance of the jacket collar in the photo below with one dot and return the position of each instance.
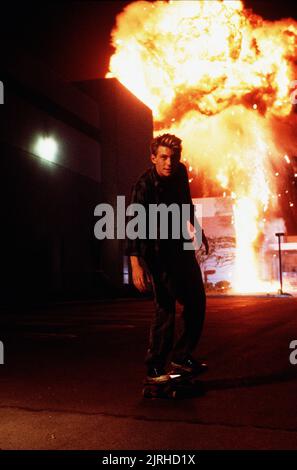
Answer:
(157, 180)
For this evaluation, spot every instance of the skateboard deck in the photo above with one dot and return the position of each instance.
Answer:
(178, 386)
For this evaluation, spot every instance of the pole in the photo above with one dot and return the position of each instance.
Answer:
(279, 235)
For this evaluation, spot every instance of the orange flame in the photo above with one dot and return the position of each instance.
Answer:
(218, 76)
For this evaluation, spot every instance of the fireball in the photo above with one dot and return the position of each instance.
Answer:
(220, 77)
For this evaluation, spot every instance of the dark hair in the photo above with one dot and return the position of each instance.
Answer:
(167, 140)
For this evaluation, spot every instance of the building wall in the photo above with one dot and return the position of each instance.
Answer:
(24, 124)
(216, 218)
(126, 126)
(49, 245)
(49, 248)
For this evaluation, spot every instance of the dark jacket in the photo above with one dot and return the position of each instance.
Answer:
(151, 189)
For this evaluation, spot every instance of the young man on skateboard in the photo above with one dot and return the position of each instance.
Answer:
(167, 267)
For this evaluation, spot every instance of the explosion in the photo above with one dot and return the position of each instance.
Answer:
(219, 77)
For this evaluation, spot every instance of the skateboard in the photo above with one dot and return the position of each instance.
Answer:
(177, 386)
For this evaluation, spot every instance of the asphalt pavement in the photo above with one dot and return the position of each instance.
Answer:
(73, 371)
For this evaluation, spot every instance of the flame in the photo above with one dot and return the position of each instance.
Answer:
(219, 77)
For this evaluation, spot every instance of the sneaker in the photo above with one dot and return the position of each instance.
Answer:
(156, 375)
(189, 366)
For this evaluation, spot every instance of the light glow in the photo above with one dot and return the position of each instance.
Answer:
(46, 148)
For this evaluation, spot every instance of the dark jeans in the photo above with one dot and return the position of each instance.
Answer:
(178, 279)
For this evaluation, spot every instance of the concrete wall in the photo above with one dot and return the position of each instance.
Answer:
(103, 136)
(48, 246)
(126, 126)
(48, 249)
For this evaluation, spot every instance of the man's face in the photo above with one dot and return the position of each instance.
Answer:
(165, 161)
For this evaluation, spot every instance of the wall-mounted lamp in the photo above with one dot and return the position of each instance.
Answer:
(46, 148)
